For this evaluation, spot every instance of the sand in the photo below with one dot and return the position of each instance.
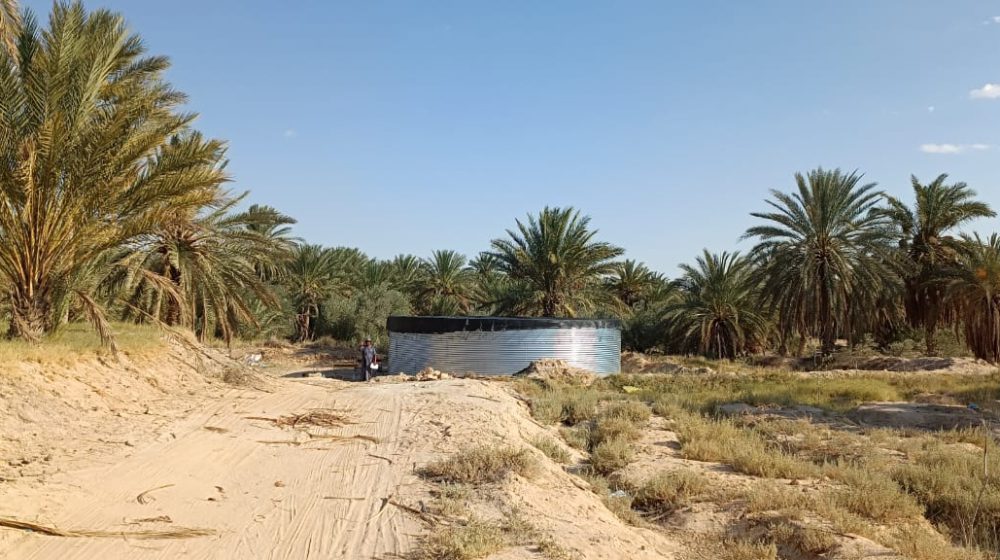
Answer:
(281, 490)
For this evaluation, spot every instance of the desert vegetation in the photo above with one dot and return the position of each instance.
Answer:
(805, 468)
(115, 208)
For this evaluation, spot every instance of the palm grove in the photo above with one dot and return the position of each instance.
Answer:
(114, 208)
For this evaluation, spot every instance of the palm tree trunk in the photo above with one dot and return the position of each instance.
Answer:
(29, 314)
(930, 329)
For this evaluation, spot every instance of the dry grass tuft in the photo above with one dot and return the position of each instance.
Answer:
(740, 549)
(632, 411)
(577, 437)
(552, 449)
(466, 542)
(611, 455)
(481, 465)
(668, 491)
(613, 428)
(721, 441)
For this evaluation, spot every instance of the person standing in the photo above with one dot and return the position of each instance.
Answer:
(368, 357)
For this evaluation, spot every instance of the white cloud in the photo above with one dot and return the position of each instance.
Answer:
(989, 91)
(930, 109)
(290, 133)
(953, 148)
(996, 19)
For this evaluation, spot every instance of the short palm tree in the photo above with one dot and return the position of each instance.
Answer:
(553, 264)
(973, 287)
(97, 152)
(633, 282)
(408, 274)
(202, 270)
(447, 287)
(718, 313)
(822, 249)
(312, 277)
(924, 228)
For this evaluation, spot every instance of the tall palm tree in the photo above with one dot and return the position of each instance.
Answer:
(821, 248)
(718, 313)
(202, 270)
(447, 287)
(973, 287)
(96, 153)
(10, 26)
(267, 222)
(924, 238)
(554, 264)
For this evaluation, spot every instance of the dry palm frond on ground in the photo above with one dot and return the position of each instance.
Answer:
(321, 417)
(180, 533)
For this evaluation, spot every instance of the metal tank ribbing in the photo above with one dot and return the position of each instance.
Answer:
(501, 345)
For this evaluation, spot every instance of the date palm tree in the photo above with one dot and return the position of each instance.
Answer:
(267, 222)
(821, 248)
(408, 275)
(973, 287)
(202, 270)
(633, 282)
(313, 276)
(718, 312)
(447, 287)
(96, 154)
(924, 239)
(553, 264)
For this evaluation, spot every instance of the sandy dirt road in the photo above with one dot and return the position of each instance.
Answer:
(265, 496)
(268, 492)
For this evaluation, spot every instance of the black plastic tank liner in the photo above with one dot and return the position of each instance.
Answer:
(439, 325)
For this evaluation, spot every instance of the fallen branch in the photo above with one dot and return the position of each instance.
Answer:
(146, 498)
(386, 459)
(326, 418)
(180, 533)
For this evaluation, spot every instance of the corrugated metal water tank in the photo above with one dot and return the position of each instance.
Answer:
(501, 345)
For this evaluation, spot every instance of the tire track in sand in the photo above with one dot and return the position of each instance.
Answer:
(266, 500)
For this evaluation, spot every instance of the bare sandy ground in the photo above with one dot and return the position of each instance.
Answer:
(269, 492)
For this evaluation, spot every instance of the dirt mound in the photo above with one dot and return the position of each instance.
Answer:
(557, 370)
(431, 374)
(640, 363)
(47, 406)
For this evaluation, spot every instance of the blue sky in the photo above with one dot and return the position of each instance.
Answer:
(403, 127)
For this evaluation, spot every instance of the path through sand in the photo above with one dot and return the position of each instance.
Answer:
(276, 493)
(265, 497)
